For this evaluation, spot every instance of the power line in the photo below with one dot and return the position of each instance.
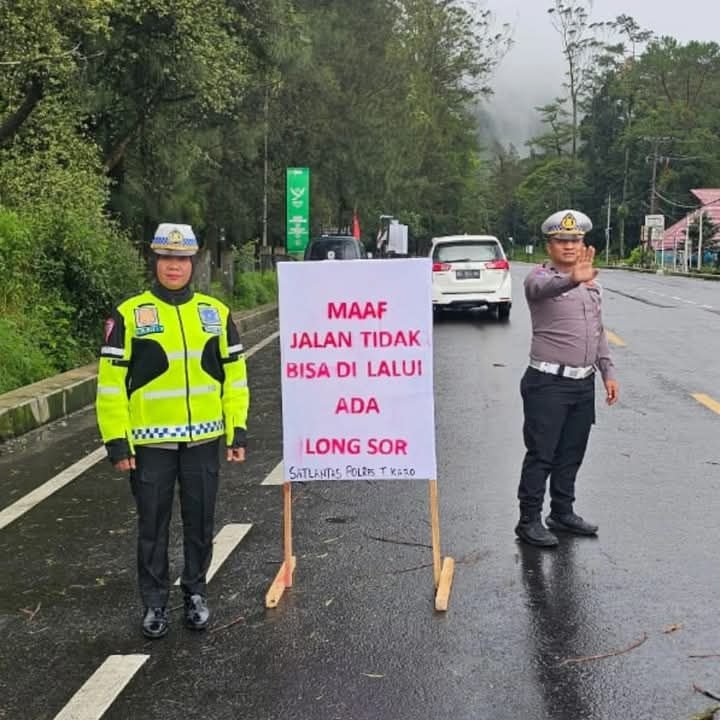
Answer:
(675, 204)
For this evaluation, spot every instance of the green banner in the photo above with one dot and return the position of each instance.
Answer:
(298, 209)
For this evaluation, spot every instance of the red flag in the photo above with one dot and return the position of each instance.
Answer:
(356, 226)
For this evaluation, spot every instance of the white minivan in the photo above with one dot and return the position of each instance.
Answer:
(470, 271)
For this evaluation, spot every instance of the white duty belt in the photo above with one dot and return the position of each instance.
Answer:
(574, 373)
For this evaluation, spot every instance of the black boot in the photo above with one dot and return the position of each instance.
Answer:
(197, 612)
(155, 622)
(531, 531)
(570, 523)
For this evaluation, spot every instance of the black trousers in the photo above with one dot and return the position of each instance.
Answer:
(153, 482)
(559, 413)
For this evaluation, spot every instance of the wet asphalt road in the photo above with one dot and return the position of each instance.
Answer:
(356, 638)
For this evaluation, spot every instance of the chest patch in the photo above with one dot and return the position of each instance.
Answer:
(147, 320)
(210, 319)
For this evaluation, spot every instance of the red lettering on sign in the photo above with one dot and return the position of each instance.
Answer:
(306, 370)
(394, 368)
(332, 446)
(357, 311)
(357, 406)
(387, 446)
(385, 338)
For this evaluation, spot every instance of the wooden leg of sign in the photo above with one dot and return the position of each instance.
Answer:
(443, 569)
(284, 578)
(287, 534)
(435, 527)
(442, 597)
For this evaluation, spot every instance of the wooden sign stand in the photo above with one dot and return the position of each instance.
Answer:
(443, 568)
(284, 578)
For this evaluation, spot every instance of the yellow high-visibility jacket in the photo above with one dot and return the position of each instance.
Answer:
(171, 371)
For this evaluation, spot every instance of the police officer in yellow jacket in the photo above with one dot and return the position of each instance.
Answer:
(172, 382)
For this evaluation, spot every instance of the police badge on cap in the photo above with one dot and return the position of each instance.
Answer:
(567, 222)
(172, 239)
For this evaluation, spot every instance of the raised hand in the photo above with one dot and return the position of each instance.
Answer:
(583, 270)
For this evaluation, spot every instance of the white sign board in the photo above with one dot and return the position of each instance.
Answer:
(655, 221)
(398, 242)
(357, 370)
(656, 234)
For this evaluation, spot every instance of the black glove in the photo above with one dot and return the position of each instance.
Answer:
(118, 450)
(239, 438)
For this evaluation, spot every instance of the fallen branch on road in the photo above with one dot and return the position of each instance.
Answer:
(31, 613)
(706, 693)
(229, 625)
(603, 656)
(397, 542)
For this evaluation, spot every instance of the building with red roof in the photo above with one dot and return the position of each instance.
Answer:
(674, 237)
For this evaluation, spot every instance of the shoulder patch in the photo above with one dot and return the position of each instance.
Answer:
(109, 327)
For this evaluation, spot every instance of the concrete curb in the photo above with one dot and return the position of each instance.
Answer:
(32, 406)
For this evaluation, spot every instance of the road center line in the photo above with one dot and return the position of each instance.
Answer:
(225, 542)
(615, 339)
(708, 402)
(92, 700)
(29, 501)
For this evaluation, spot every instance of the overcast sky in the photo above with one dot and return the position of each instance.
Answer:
(532, 72)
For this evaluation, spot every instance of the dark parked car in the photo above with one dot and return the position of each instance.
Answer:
(335, 247)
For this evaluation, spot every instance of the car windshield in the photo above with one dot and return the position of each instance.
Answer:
(467, 251)
(343, 249)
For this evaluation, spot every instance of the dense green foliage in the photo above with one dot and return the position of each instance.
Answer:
(118, 114)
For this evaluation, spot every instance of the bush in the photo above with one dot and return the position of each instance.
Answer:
(255, 288)
(21, 358)
(61, 271)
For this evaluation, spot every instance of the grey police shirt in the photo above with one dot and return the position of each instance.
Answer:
(567, 321)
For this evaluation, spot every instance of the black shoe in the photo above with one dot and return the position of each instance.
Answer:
(571, 523)
(155, 623)
(533, 532)
(197, 612)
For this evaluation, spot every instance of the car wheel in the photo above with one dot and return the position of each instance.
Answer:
(503, 311)
(438, 313)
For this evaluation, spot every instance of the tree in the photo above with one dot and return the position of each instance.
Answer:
(556, 141)
(571, 19)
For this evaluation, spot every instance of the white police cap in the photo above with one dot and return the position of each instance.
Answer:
(567, 222)
(174, 239)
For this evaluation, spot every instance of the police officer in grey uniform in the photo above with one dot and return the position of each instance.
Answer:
(569, 346)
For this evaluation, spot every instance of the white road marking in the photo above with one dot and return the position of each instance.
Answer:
(262, 344)
(92, 700)
(29, 501)
(276, 476)
(707, 307)
(225, 542)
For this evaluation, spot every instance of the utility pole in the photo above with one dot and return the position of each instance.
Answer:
(653, 197)
(266, 109)
(607, 230)
(700, 240)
